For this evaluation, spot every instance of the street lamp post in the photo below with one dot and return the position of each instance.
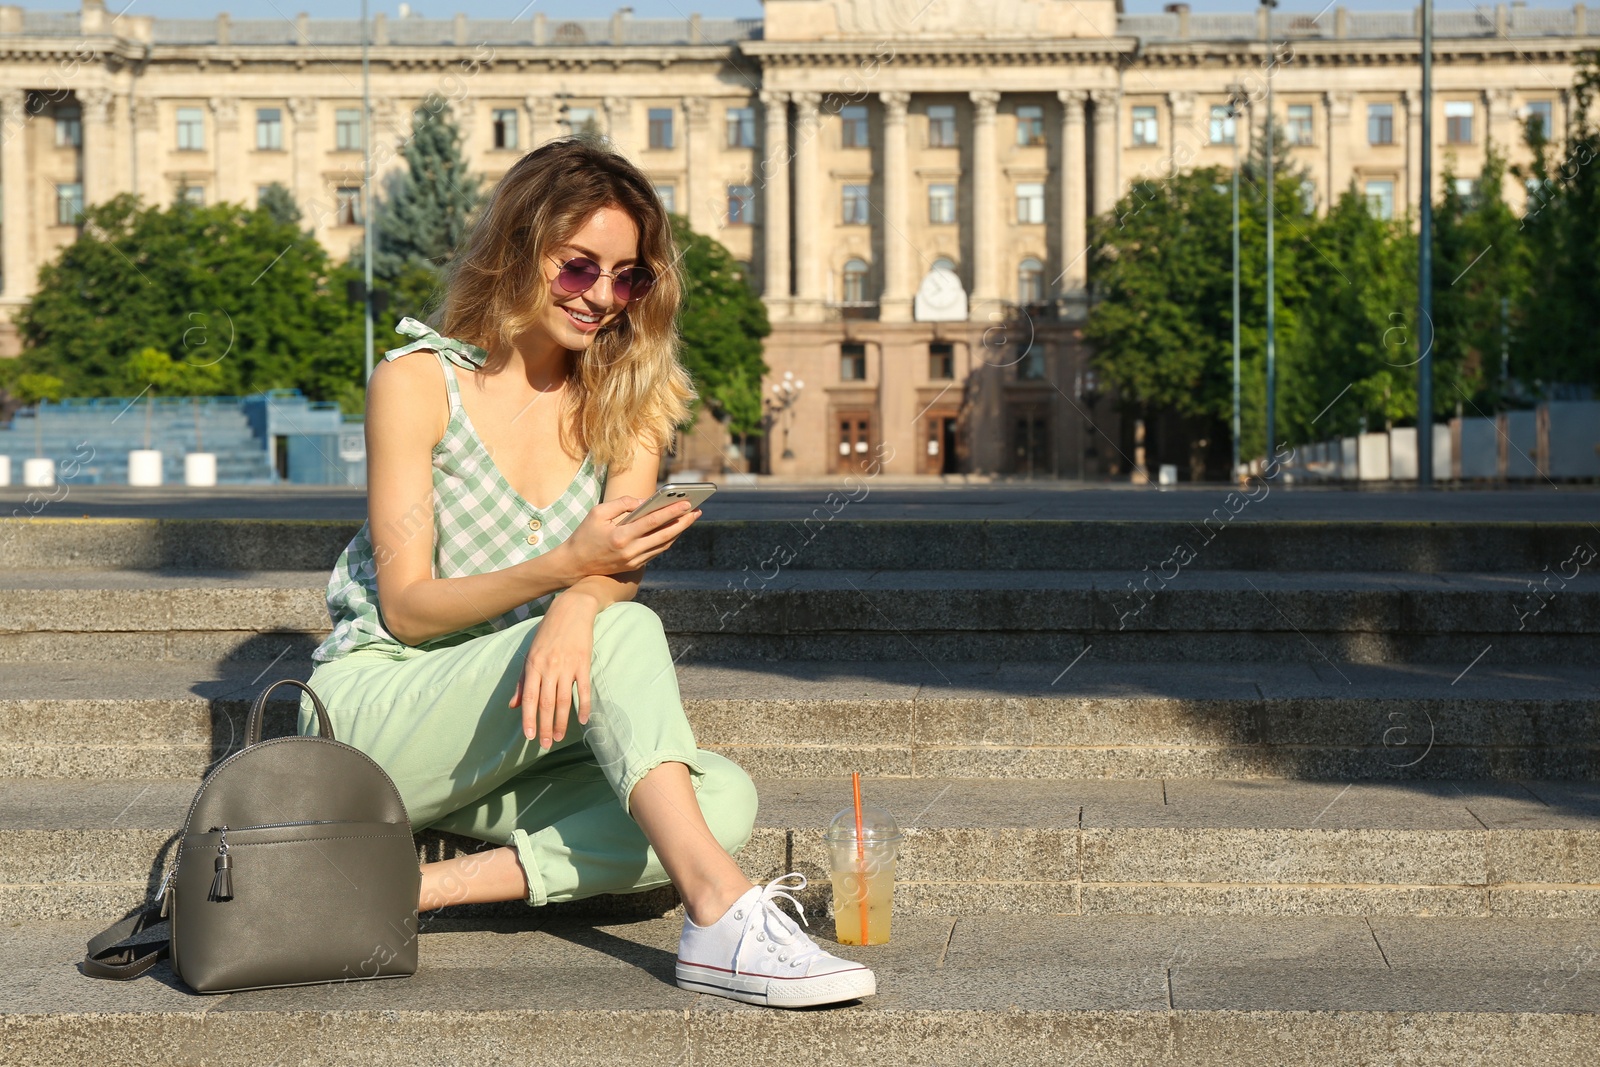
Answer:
(1272, 318)
(1235, 96)
(1425, 264)
(366, 190)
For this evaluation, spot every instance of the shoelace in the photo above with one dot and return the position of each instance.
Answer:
(801, 948)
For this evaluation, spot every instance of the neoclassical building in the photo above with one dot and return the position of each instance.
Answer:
(909, 182)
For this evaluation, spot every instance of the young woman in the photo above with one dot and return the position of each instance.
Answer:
(486, 650)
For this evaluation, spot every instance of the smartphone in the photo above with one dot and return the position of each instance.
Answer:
(672, 492)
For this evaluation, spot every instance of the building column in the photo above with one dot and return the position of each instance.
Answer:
(807, 190)
(704, 206)
(147, 153)
(774, 209)
(1180, 117)
(894, 302)
(619, 123)
(1105, 149)
(230, 171)
(1337, 107)
(308, 187)
(14, 177)
(1074, 204)
(1413, 102)
(985, 234)
(542, 125)
(1500, 122)
(99, 146)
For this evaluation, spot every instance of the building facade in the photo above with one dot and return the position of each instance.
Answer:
(909, 183)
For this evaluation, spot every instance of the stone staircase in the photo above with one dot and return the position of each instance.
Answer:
(1331, 789)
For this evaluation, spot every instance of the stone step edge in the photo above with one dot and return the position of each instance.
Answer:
(108, 901)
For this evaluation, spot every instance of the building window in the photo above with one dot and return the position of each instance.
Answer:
(741, 205)
(855, 205)
(505, 127)
(1222, 124)
(941, 360)
(347, 205)
(1540, 110)
(741, 127)
(1030, 124)
(1458, 121)
(69, 128)
(192, 194)
(261, 193)
(1144, 125)
(580, 117)
(941, 203)
(1380, 198)
(1030, 202)
(269, 129)
(853, 126)
(1031, 366)
(855, 281)
(1298, 130)
(69, 203)
(1030, 281)
(941, 126)
(1380, 124)
(664, 193)
(191, 129)
(1308, 195)
(347, 129)
(853, 361)
(661, 127)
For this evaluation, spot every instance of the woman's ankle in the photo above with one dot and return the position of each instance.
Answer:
(714, 903)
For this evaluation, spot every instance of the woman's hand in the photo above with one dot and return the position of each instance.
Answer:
(602, 544)
(562, 648)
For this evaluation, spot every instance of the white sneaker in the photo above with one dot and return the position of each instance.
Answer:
(756, 953)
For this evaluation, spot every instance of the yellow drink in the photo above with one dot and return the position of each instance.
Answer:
(847, 903)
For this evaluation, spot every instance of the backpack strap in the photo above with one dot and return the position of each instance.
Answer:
(258, 712)
(127, 949)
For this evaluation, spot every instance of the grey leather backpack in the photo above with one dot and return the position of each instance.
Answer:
(296, 866)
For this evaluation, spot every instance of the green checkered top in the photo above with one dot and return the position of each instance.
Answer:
(480, 523)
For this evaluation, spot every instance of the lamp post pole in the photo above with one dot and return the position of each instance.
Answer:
(1233, 114)
(366, 189)
(1272, 318)
(1425, 264)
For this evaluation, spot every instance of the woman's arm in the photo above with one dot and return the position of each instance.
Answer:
(407, 412)
(638, 482)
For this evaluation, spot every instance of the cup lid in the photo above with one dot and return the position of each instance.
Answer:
(877, 825)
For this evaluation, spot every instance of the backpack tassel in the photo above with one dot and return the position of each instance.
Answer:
(222, 883)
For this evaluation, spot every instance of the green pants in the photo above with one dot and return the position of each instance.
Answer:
(440, 724)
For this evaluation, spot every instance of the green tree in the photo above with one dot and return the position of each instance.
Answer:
(1356, 351)
(278, 201)
(1162, 321)
(1559, 310)
(1480, 273)
(427, 207)
(219, 285)
(722, 322)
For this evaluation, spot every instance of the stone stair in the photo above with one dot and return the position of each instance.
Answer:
(1322, 796)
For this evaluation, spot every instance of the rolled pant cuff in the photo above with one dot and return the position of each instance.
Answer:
(625, 787)
(522, 841)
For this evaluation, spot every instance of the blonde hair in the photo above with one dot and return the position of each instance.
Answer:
(628, 385)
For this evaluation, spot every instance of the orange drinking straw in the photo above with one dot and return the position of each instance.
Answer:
(861, 854)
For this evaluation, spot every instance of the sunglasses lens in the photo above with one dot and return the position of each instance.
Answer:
(633, 283)
(578, 274)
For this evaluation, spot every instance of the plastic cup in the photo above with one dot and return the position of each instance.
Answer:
(864, 876)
